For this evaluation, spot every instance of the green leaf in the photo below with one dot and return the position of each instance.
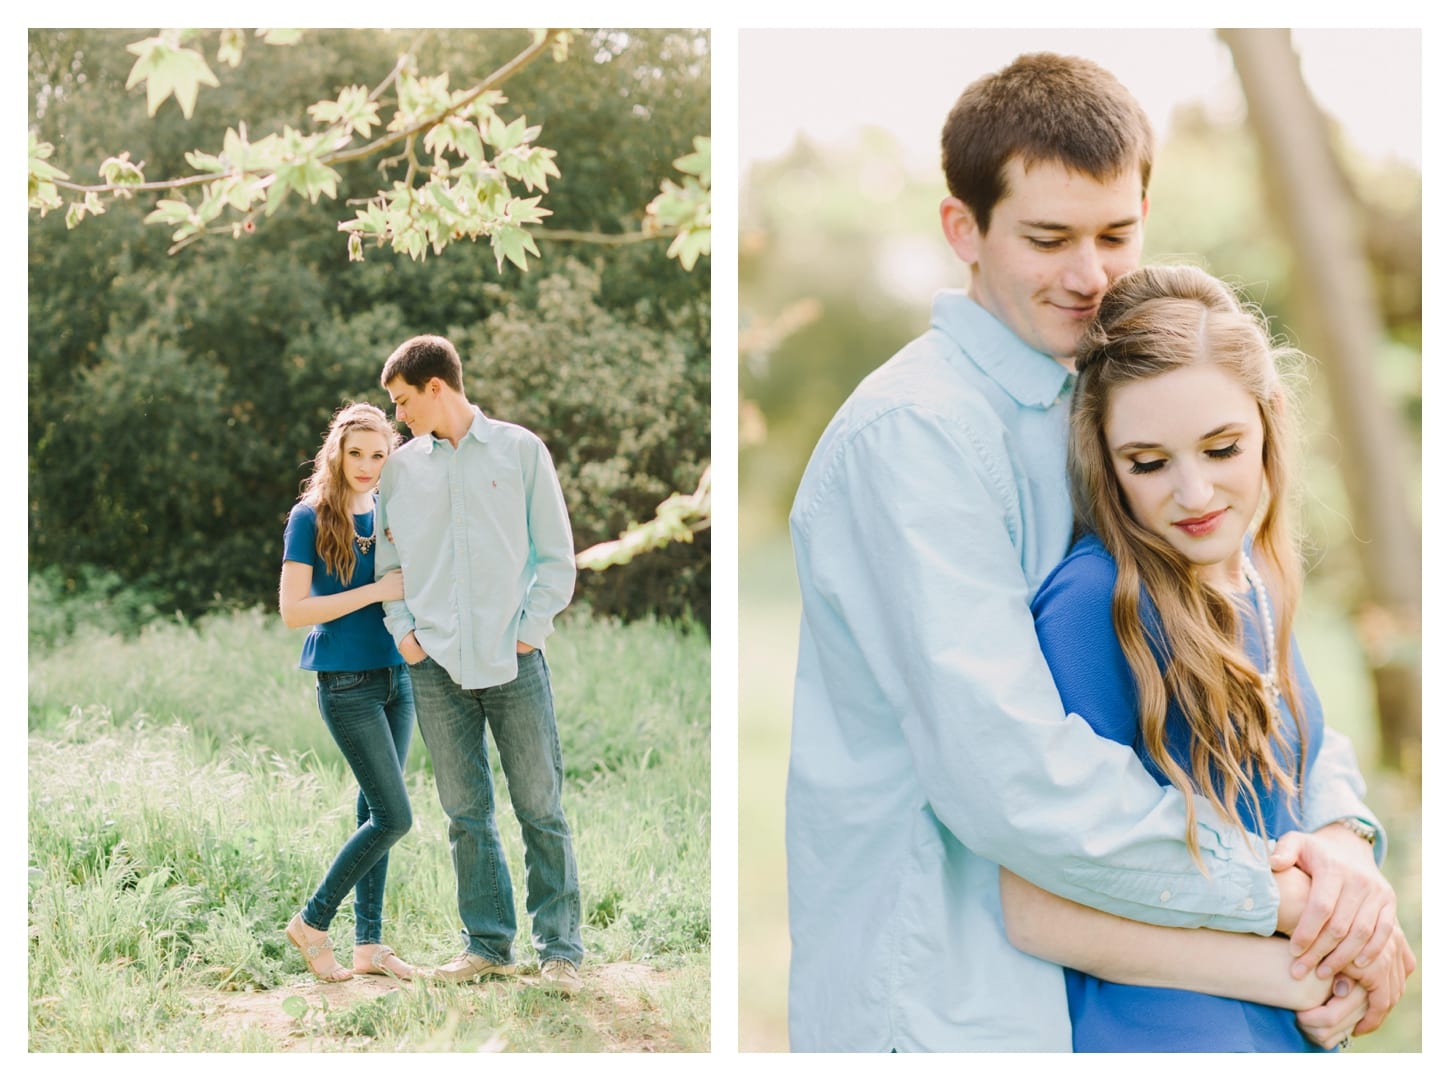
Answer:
(698, 163)
(280, 37)
(352, 108)
(120, 169)
(420, 99)
(170, 212)
(294, 1006)
(275, 196)
(167, 69)
(41, 192)
(244, 191)
(511, 243)
(533, 165)
(481, 108)
(301, 170)
(264, 156)
(39, 166)
(454, 133)
(507, 136)
(205, 163)
(229, 48)
(689, 246)
(526, 211)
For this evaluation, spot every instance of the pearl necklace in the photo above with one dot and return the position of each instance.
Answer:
(1266, 620)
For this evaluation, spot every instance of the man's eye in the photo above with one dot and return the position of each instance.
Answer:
(1044, 244)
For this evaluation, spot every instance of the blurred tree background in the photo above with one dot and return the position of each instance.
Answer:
(840, 253)
(175, 401)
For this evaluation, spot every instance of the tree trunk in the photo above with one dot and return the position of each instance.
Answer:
(1335, 315)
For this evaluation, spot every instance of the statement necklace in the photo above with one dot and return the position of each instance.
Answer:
(364, 544)
(1270, 678)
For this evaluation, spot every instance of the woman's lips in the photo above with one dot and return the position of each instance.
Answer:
(1200, 527)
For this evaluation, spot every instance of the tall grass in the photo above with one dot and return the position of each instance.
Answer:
(185, 799)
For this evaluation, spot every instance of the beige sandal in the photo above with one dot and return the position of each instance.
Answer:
(381, 961)
(317, 956)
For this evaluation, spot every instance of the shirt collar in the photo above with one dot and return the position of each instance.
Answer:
(1030, 377)
(477, 430)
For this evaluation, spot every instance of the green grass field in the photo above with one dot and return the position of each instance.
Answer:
(185, 798)
(769, 614)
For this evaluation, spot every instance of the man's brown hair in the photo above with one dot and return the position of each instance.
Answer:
(419, 359)
(1044, 108)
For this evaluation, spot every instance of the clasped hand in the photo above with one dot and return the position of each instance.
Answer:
(1342, 920)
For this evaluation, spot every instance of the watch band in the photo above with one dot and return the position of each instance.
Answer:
(1360, 828)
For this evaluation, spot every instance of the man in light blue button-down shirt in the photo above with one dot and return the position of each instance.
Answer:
(928, 744)
(472, 511)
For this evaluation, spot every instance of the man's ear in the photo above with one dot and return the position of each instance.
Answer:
(959, 226)
(1145, 208)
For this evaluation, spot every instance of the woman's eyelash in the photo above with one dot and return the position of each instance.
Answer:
(1226, 452)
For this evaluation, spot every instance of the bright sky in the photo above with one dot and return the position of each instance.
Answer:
(828, 83)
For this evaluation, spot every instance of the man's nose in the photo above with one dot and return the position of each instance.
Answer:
(1086, 275)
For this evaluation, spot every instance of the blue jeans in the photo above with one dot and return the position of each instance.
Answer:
(521, 716)
(370, 714)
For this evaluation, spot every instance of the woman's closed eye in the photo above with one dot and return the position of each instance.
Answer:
(1152, 465)
(1226, 452)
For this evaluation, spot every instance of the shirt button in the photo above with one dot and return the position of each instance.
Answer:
(1248, 904)
(1164, 895)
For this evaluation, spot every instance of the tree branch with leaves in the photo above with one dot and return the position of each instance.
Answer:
(462, 160)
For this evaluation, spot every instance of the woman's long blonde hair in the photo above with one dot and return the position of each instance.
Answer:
(327, 491)
(1151, 321)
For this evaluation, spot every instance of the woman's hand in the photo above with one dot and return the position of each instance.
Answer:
(1383, 980)
(1328, 1025)
(390, 585)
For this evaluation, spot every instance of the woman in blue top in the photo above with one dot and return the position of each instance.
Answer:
(1167, 627)
(363, 688)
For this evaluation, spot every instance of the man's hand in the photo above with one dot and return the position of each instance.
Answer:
(1350, 914)
(524, 647)
(410, 649)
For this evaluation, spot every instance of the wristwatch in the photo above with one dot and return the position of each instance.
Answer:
(1360, 828)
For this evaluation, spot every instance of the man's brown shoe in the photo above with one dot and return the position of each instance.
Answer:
(469, 966)
(560, 975)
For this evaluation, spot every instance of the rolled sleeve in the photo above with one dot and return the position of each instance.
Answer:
(397, 617)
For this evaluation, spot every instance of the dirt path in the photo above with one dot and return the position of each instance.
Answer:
(615, 999)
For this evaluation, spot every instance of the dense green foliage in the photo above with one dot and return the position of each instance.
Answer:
(175, 401)
(185, 799)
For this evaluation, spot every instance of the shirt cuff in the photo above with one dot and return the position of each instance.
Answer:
(1239, 868)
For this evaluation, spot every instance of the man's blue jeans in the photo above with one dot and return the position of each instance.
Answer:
(370, 714)
(521, 716)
